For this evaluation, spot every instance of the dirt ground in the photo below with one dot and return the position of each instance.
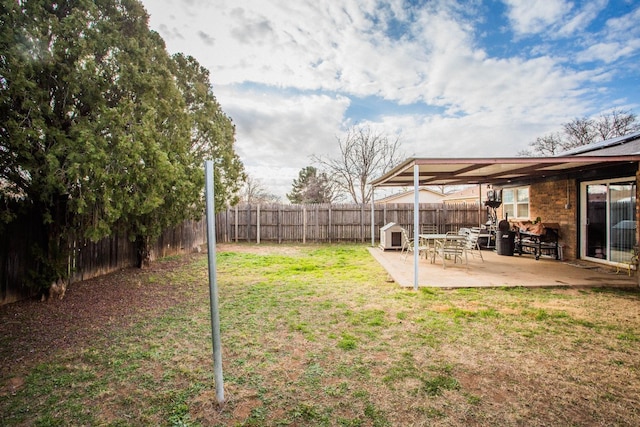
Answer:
(95, 306)
(32, 328)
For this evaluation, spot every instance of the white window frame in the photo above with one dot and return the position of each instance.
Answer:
(584, 224)
(515, 204)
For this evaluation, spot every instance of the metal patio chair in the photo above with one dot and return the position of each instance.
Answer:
(472, 245)
(452, 247)
(407, 245)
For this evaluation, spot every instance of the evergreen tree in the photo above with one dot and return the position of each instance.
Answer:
(102, 130)
(311, 187)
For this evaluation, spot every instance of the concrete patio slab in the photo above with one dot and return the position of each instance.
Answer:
(498, 271)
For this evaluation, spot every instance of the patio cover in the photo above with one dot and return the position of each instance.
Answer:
(496, 171)
(500, 171)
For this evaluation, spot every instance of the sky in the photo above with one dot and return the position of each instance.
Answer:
(448, 78)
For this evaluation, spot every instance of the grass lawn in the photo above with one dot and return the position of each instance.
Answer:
(314, 335)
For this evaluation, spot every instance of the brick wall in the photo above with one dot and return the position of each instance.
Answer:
(557, 201)
(548, 200)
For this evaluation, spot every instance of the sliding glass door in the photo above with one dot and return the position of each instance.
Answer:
(608, 219)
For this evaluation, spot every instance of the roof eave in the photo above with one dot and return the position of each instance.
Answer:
(537, 167)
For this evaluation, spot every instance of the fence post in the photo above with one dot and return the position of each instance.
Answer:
(258, 224)
(279, 224)
(329, 233)
(373, 229)
(362, 222)
(227, 228)
(445, 212)
(317, 223)
(304, 224)
(236, 225)
(248, 223)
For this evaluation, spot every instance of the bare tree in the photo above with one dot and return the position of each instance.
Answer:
(364, 155)
(579, 132)
(254, 192)
(548, 145)
(617, 123)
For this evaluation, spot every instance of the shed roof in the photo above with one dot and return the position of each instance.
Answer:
(499, 171)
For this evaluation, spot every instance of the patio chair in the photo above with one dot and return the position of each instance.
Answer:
(407, 245)
(472, 245)
(451, 248)
(429, 229)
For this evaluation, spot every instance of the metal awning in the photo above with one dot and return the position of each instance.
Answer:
(499, 171)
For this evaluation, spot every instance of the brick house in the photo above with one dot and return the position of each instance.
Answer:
(596, 209)
(590, 192)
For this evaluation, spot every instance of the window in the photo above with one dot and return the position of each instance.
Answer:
(515, 202)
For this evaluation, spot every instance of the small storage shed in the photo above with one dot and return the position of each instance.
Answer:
(391, 236)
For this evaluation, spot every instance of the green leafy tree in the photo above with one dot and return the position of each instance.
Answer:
(212, 133)
(102, 130)
(311, 187)
(190, 128)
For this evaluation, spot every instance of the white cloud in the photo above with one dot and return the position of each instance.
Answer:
(331, 47)
(619, 39)
(280, 133)
(626, 25)
(312, 56)
(608, 52)
(270, 125)
(582, 17)
(535, 16)
(483, 134)
(276, 180)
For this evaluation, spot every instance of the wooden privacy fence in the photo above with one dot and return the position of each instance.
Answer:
(87, 259)
(94, 259)
(335, 223)
(248, 223)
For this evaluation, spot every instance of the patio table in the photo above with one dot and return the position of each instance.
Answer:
(430, 241)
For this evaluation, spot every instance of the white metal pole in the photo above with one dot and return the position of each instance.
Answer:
(479, 205)
(416, 220)
(213, 283)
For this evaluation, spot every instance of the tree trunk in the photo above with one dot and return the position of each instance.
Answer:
(143, 251)
(49, 252)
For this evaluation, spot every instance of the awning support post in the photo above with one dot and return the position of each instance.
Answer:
(416, 219)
